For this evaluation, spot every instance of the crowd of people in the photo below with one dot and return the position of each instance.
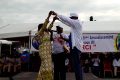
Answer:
(10, 63)
(102, 64)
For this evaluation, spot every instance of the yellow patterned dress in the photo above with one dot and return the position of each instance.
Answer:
(45, 49)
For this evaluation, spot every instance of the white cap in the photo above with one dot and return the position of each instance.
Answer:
(73, 15)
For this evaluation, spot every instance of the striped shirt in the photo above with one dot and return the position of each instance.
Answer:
(76, 30)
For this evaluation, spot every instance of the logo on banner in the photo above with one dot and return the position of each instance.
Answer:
(117, 42)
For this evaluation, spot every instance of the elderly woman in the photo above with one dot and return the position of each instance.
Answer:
(45, 49)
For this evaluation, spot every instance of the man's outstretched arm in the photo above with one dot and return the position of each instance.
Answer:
(64, 19)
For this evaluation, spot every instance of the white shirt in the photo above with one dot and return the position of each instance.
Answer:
(116, 62)
(76, 30)
(96, 61)
(58, 43)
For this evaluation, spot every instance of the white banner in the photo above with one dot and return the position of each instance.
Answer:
(100, 42)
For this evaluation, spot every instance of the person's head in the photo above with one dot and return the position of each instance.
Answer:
(40, 26)
(59, 29)
(73, 16)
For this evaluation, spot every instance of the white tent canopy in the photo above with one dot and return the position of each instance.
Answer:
(19, 30)
(16, 30)
(5, 42)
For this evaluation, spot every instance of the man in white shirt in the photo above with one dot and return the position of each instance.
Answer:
(59, 55)
(76, 39)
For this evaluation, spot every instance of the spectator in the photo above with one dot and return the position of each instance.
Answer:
(17, 63)
(25, 60)
(116, 63)
(59, 55)
(1, 64)
(96, 66)
(86, 64)
(8, 63)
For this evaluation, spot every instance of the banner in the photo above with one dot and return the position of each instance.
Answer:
(98, 42)
(101, 42)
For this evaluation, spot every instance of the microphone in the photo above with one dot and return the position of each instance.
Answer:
(53, 30)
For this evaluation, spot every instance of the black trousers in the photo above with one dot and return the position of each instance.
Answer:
(59, 66)
(75, 57)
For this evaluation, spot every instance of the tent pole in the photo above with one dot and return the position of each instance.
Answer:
(29, 41)
(0, 48)
(10, 49)
(29, 49)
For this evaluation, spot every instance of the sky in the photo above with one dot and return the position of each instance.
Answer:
(35, 11)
